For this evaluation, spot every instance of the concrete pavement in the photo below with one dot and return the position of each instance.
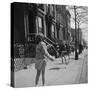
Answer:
(56, 73)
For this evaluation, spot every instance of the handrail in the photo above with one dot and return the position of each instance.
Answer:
(45, 40)
(45, 37)
(50, 40)
(51, 46)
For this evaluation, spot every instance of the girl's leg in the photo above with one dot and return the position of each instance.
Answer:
(37, 77)
(62, 57)
(62, 60)
(65, 60)
(43, 75)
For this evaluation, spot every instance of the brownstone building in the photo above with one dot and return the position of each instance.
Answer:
(30, 19)
(63, 22)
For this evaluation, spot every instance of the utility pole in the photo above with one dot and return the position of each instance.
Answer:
(76, 53)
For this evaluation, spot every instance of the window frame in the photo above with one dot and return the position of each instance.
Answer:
(40, 29)
(53, 31)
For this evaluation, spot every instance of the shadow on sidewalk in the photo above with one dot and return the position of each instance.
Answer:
(61, 63)
(57, 68)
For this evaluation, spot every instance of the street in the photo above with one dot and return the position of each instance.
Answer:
(56, 73)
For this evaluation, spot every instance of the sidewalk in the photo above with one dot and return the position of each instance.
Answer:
(56, 73)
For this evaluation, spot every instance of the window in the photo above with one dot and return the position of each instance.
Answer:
(64, 33)
(52, 10)
(48, 8)
(55, 33)
(52, 31)
(40, 24)
(41, 6)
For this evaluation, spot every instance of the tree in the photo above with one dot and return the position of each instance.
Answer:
(79, 15)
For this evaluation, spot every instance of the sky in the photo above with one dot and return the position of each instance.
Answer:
(84, 25)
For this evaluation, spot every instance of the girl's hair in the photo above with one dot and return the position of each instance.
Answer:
(38, 39)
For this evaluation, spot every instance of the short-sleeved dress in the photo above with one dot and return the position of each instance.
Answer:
(40, 62)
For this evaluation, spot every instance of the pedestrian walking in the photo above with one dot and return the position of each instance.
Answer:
(80, 48)
(41, 54)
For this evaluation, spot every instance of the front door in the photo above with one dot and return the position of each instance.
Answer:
(31, 22)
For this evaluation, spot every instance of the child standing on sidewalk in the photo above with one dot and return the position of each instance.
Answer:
(41, 53)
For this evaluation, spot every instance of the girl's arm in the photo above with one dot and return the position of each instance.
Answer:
(46, 52)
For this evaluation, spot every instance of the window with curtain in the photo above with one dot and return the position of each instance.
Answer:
(52, 31)
(40, 24)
